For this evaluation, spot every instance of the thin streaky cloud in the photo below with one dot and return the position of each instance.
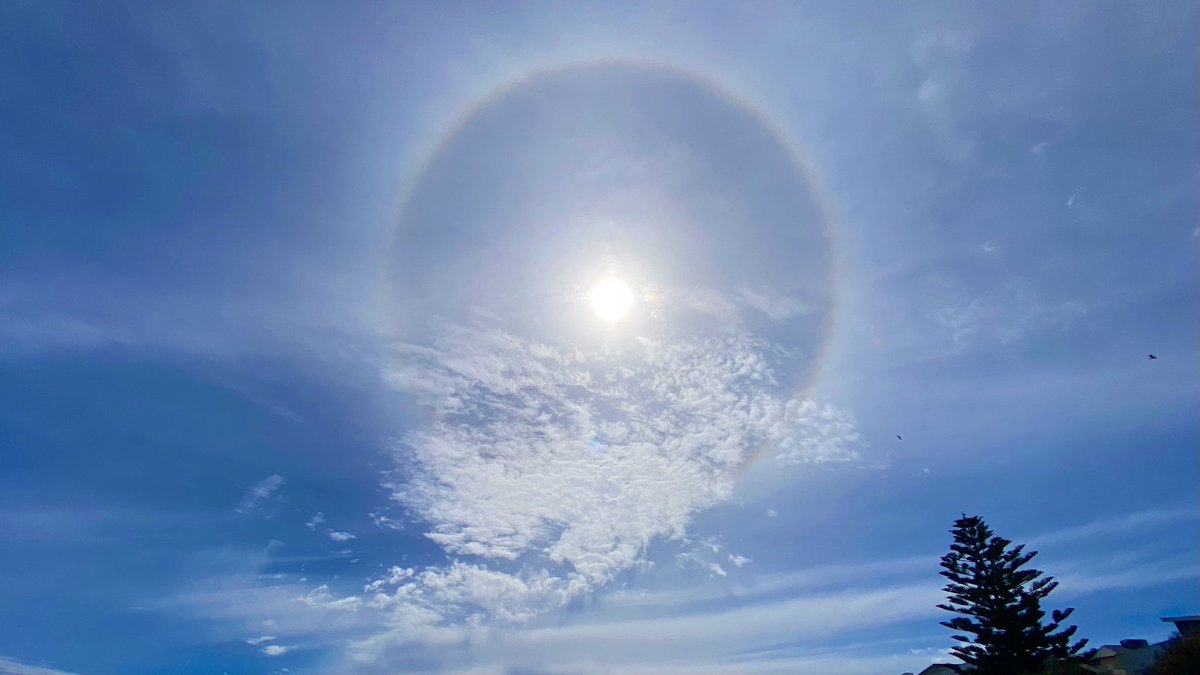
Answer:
(13, 667)
(262, 491)
(1112, 525)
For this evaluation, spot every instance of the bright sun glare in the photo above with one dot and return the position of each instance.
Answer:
(611, 299)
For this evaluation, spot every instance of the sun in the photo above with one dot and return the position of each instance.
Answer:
(611, 299)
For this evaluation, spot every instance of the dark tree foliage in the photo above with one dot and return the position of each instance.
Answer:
(1182, 658)
(999, 604)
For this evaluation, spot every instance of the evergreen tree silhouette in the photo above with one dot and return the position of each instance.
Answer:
(999, 604)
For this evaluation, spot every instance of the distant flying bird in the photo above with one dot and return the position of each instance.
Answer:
(899, 437)
(1153, 357)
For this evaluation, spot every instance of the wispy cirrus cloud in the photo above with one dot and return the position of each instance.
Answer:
(1003, 315)
(89, 521)
(730, 307)
(1112, 525)
(261, 492)
(12, 667)
(269, 608)
(777, 306)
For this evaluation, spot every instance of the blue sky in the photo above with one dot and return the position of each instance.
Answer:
(299, 371)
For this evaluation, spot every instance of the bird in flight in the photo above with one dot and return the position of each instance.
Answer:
(899, 437)
(1153, 357)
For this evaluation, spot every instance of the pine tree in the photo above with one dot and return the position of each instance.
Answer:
(1000, 605)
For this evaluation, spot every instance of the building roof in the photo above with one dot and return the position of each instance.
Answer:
(1122, 659)
(940, 669)
(1186, 625)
